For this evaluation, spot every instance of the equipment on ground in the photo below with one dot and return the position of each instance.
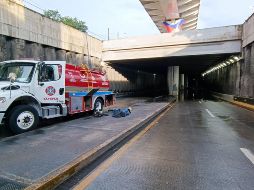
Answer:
(123, 112)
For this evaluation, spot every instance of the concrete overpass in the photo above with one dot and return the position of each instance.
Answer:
(220, 40)
(187, 52)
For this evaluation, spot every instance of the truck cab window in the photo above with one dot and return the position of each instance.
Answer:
(51, 73)
(22, 71)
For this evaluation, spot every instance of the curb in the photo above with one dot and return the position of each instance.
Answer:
(53, 179)
(243, 105)
(236, 103)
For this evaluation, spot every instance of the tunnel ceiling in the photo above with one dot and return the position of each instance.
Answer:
(194, 65)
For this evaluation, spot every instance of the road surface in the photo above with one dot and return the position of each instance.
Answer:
(197, 145)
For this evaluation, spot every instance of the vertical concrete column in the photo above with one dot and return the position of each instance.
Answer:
(139, 81)
(60, 55)
(170, 79)
(35, 51)
(173, 80)
(181, 88)
(79, 58)
(182, 82)
(5, 48)
(176, 81)
(50, 54)
(17, 48)
(186, 82)
(245, 72)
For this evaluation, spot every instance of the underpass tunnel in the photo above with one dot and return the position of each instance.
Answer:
(186, 77)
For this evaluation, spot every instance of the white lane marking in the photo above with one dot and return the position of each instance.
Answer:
(248, 154)
(209, 113)
(200, 102)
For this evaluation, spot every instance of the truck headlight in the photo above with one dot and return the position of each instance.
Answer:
(2, 99)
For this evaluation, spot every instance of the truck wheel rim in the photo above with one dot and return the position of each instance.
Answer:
(25, 120)
(98, 106)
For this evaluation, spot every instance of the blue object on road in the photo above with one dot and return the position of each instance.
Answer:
(121, 112)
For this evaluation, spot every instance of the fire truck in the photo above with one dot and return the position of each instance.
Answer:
(35, 90)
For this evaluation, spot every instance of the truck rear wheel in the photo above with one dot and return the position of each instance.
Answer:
(23, 118)
(98, 105)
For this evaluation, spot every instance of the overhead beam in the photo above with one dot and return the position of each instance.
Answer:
(159, 10)
(193, 42)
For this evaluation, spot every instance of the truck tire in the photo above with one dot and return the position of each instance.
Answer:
(23, 118)
(98, 104)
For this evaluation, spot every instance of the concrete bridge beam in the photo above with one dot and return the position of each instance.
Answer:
(220, 40)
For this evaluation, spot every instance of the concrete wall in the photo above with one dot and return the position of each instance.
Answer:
(225, 80)
(248, 31)
(238, 79)
(13, 48)
(22, 23)
(143, 83)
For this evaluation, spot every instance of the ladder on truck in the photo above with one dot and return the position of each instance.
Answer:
(89, 75)
(90, 83)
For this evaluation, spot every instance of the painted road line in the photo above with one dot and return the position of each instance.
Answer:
(85, 182)
(207, 110)
(248, 154)
(200, 102)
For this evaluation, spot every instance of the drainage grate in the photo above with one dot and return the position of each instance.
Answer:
(6, 184)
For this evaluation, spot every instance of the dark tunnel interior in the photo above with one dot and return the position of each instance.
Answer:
(195, 86)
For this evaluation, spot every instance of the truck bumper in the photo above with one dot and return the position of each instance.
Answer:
(1, 117)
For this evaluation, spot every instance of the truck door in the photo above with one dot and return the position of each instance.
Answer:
(51, 82)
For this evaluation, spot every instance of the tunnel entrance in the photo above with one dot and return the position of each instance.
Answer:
(192, 85)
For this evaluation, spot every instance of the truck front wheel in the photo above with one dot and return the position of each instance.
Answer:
(23, 118)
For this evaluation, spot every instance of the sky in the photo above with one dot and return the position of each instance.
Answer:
(126, 18)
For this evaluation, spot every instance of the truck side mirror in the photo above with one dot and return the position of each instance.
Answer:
(12, 77)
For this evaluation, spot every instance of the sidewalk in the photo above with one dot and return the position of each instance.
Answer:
(41, 155)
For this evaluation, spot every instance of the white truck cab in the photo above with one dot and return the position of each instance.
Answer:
(27, 88)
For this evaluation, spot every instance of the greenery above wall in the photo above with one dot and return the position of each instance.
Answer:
(70, 21)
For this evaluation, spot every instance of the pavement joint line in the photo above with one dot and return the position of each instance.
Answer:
(86, 181)
(56, 177)
(207, 110)
(248, 154)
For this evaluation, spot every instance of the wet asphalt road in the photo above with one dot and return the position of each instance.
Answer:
(196, 145)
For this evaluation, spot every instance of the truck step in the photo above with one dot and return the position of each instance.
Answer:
(51, 112)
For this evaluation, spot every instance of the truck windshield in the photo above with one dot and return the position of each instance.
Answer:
(23, 72)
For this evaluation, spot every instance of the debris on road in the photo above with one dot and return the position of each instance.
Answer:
(117, 113)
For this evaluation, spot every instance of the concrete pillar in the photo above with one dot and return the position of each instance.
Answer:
(34, 51)
(50, 54)
(60, 55)
(5, 48)
(17, 49)
(182, 82)
(79, 59)
(69, 58)
(238, 79)
(173, 80)
(139, 81)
